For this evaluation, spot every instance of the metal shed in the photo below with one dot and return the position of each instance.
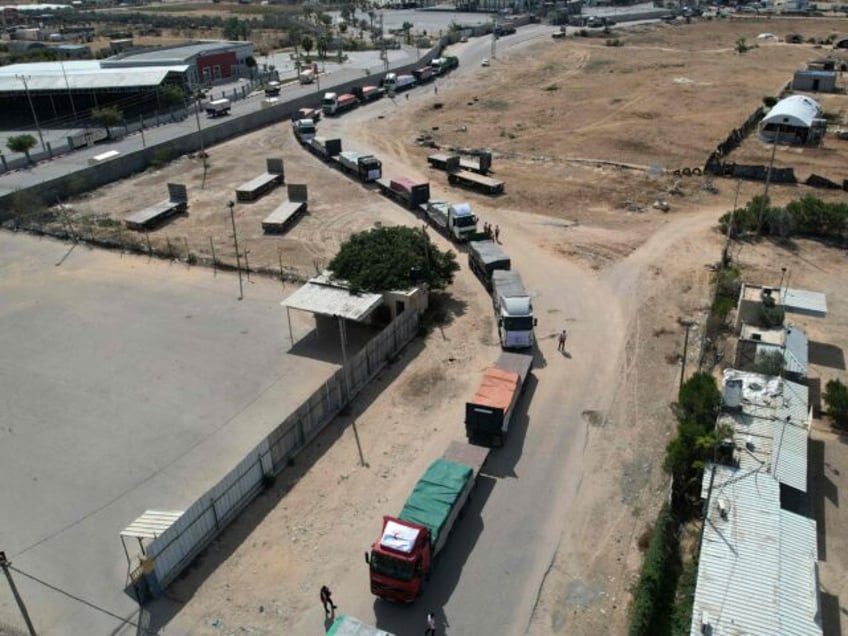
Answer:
(814, 81)
(792, 119)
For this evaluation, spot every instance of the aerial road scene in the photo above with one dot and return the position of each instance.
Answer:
(381, 319)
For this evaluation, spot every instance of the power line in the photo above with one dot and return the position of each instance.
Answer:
(81, 600)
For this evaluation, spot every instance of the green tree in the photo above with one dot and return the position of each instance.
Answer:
(306, 44)
(742, 46)
(769, 363)
(235, 29)
(250, 63)
(106, 117)
(21, 143)
(393, 258)
(172, 96)
(699, 401)
(836, 398)
(407, 28)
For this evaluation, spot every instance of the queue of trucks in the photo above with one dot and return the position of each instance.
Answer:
(454, 220)
(512, 304)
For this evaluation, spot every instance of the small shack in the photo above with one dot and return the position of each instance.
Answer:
(814, 81)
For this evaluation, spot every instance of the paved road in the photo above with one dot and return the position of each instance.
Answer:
(496, 561)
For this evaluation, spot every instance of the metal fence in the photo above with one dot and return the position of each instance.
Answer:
(175, 548)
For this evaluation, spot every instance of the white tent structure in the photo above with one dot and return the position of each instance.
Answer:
(794, 119)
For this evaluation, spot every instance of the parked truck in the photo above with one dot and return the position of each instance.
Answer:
(513, 310)
(442, 65)
(402, 557)
(423, 74)
(273, 88)
(218, 108)
(308, 113)
(489, 413)
(334, 104)
(325, 149)
(368, 93)
(366, 168)
(454, 220)
(304, 130)
(349, 626)
(486, 257)
(408, 192)
(308, 74)
(395, 83)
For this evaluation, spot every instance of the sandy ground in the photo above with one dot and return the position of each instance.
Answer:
(665, 98)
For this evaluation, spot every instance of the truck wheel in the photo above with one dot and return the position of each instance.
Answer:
(686, 172)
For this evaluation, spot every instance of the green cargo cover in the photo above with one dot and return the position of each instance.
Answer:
(435, 495)
(349, 626)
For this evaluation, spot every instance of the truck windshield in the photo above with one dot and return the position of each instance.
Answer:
(329, 102)
(465, 221)
(389, 566)
(518, 323)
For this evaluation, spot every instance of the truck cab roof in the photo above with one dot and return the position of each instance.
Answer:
(462, 209)
(399, 537)
(517, 306)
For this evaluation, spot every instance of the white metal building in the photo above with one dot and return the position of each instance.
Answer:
(757, 570)
(794, 119)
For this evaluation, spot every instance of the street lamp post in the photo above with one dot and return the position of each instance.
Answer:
(24, 79)
(232, 205)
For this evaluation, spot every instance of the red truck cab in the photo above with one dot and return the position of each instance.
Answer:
(400, 560)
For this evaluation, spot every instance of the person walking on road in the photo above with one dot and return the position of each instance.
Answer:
(497, 234)
(562, 336)
(431, 625)
(327, 600)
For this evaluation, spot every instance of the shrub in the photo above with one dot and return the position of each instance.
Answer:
(836, 398)
(655, 589)
(769, 363)
(769, 101)
(770, 317)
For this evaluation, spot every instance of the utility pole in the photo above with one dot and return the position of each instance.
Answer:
(68, 86)
(197, 97)
(494, 35)
(688, 326)
(24, 79)
(232, 205)
(5, 563)
(768, 181)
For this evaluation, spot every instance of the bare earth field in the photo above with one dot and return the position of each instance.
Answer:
(621, 280)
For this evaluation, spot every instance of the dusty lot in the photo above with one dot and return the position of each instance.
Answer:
(622, 280)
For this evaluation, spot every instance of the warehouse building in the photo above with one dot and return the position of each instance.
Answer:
(796, 119)
(66, 91)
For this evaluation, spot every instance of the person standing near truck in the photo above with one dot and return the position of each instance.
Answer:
(327, 600)
(562, 336)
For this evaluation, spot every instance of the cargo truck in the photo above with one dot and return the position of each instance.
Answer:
(442, 65)
(334, 104)
(423, 74)
(349, 626)
(323, 148)
(273, 88)
(366, 168)
(304, 130)
(484, 258)
(474, 181)
(408, 192)
(368, 93)
(513, 310)
(401, 559)
(488, 414)
(218, 108)
(454, 220)
(308, 113)
(395, 83)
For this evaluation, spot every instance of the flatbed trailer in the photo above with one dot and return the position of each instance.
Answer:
(151, 216)
(452, 162)
(489, 413)
(484, 258)
(408, 192)
(323, 148)
(479, 182)
(281, 219)
(264, 183)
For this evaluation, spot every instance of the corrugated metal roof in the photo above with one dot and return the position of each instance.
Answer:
(323, 296)
(795, 110)
(803, 301)
(151, 524)
(795, 353)
(82, 75)
(754, 562)
(772, 426)
(174, 54)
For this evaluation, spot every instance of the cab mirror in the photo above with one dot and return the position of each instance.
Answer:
(367, 559)
(535, 322)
